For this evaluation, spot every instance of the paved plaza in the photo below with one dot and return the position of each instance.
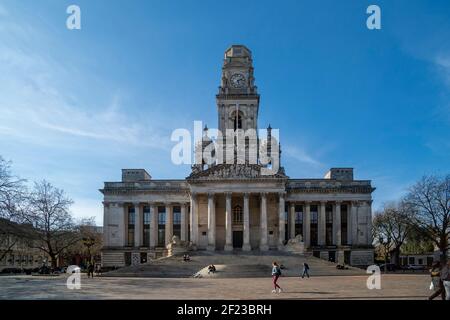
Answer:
(393, 286)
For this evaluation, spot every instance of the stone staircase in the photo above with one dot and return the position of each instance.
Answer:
(232, 265)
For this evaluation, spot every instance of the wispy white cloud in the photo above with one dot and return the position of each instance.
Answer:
(33, 99)
(301, 155)
(442, 61)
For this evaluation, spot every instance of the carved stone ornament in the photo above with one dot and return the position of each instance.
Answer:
(232, 171)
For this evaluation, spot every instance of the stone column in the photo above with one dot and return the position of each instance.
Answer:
(354, 223)
(246, 245)
(281, 221)
(322, 224)
(169, 223)
(153, 225)
(137, 225)
(228, 224)
(263, 245)
(183, 231)
(337, 223)
(292, 221)
(194, 219)
(211, 223)
(307, 224)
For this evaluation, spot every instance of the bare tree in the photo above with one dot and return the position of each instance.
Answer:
(90, 241)
(382, 235)
(430, 198)
(12, 200)
(48, 212)
(392, 227)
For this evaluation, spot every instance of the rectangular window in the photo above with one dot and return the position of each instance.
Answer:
(161, 226)
(329, 225)
(314, 225)
(131, 217)
(411, 260)
(344, 236)
(177, 221)
(146, 238)
(299, 220)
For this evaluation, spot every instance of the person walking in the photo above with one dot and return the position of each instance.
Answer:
(90, 269)
(276, 273)
(438, 285)
(445, 278)
(305, 270)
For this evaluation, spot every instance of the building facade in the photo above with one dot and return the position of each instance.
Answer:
(238, 205)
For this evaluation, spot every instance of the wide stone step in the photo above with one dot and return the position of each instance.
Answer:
(231, 266)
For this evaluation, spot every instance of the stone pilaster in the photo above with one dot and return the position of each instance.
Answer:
(263, 245)
(228, 224)
(211, 223)
(369, 223)
(106, 231)
(246, 244)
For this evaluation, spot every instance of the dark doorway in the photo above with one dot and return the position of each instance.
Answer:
(347, 257)
(332, 256)
(128, 258)
(238, 239)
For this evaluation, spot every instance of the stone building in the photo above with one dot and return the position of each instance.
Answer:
(235, 206)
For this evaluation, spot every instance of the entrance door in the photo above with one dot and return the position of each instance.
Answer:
(332, 256)
(238, 239)
(347, 256)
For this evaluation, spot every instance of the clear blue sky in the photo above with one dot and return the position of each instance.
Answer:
(77, 106)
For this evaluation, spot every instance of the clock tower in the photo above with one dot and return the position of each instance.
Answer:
(237, 100)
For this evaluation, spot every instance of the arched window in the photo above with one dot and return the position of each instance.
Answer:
(237, 118)
(237, 215)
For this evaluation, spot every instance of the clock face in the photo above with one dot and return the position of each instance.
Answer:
(237, 80)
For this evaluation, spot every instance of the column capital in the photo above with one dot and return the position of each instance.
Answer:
(282, 194)
(136, 203)
(322, 202)
(246, 195)
(308, 202)
(263, 194)
(338, 202)
(211, 195)
(228, 194)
